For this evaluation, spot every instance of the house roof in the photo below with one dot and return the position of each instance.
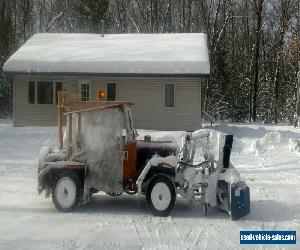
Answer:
(66, 53)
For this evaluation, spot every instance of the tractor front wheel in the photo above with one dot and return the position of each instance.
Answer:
(161, 196)
(66, 192)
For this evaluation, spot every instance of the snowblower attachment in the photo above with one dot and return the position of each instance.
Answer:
(215, 183)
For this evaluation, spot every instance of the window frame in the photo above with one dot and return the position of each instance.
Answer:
(110, 82)
(35, 95)
(37, 99)
(164, 96)
(55, 90)
(90, 90)
(36, 89)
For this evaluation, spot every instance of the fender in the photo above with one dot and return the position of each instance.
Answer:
(49, 167)
(170, 162)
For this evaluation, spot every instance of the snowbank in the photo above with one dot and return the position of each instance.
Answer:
(258, 139)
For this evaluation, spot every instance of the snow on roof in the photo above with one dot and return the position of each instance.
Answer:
(181, 53)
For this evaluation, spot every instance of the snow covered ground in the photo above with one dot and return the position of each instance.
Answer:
(267, 157)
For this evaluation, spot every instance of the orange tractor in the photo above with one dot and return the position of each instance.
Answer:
(97, 152)
(100, 152)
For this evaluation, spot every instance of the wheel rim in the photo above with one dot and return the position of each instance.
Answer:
(65, 192)
(160, 196)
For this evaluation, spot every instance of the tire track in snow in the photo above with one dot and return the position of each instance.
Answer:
(157, 232)
(219, 239)
(178, 234)
(205, 233)
(193, 237)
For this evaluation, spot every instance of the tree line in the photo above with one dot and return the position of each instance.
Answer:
(254, 44)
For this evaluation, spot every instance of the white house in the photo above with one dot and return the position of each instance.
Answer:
(160, 73)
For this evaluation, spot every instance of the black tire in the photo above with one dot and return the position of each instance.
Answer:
(155, 201)
(75, 198)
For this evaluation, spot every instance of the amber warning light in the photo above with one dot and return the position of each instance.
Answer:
(100, 94)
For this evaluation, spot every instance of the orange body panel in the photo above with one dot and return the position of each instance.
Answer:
(129, 161)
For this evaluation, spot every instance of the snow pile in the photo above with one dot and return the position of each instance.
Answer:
(295, 146)
(247, 140)
(273, 141)
(257, 140)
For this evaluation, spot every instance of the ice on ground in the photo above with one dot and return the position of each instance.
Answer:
(263, 155)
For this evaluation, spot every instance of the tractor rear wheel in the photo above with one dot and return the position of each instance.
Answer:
(161, 196)
(66, 192)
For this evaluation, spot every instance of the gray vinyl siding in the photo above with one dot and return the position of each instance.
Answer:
(26, 114)
(147, 93)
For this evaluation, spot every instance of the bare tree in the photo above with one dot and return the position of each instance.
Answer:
(259, 10)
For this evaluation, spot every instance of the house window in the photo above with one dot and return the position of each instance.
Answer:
(31, 92)
(169, 95)
(84, 91)
(111, 91)
(58, 87)
(44, 92)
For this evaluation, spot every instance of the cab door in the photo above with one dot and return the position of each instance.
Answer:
(129, 161)
(129, 148)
